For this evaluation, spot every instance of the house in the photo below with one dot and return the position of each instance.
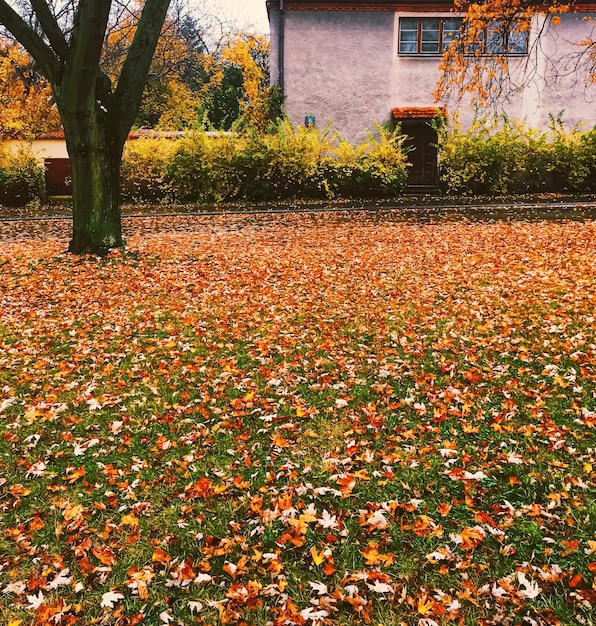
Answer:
(356, 62)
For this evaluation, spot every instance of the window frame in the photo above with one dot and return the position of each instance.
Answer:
(442, 47)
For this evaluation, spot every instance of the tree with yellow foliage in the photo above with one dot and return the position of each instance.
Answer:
(250, 54)
(26, 102)
(498, 50)
(97, 111)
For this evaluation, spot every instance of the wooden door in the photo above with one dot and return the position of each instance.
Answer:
(58, 177)
(423, 154)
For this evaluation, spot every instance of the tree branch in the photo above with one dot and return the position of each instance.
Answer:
(45, 57)
(133, 76)
(81, 69)
(50, 27)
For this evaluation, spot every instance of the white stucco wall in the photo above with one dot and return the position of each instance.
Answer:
(344, 67)
(338, 68)
(40, 148)
(561, 85)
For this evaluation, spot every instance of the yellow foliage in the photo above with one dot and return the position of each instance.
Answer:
(181, 111)
(242, 50)
(470, 66)
(26, 102)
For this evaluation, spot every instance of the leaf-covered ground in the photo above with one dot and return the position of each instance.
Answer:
(299, 420)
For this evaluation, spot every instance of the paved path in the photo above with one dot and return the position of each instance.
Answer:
(404, 208)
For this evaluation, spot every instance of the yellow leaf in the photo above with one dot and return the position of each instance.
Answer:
(426, 605)
(317, 557)
(72, 512)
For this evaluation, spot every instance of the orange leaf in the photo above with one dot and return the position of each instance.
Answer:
(161, 556)
(104, 555)
(426, 605)
(19, 491)
(36, 523)
(371, 554)
(443, 509)
(279, 441)
(78, 473)
(576, 580)
(329, 569)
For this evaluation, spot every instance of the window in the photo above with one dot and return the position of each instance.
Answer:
(432, 36)
(427, 35)
(502, 40)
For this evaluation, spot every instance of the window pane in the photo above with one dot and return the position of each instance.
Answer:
(495, 40)
(408, 35)
(517, 42)
(430, 36)
(451, 30)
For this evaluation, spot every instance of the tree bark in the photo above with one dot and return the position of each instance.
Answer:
(95, 157)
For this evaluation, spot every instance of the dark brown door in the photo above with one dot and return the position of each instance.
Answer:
(423, 154)
(58, 177)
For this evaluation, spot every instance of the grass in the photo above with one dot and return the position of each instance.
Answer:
(299, 420)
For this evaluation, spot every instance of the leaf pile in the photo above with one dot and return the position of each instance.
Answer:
(299, 420)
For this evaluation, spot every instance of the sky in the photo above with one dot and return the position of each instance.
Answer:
(247, 13)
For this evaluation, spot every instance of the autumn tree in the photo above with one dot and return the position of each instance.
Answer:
(172, 96)
(96, 112)
(26, 101)
(498, 50)
(249, 53)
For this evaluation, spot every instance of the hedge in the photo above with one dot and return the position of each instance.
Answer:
(287, 163)
(497, 157)
(21, 179)
(493, 157)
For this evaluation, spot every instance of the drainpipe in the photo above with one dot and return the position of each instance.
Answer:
(281, 45)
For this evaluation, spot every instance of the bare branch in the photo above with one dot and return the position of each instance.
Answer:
(51, 29)
(42, 53)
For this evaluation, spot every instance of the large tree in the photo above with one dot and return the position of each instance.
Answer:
(96, 112)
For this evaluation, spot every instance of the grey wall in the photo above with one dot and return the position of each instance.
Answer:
(338, 68)
(343, 67)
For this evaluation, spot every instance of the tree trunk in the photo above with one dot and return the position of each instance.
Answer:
(95, 156)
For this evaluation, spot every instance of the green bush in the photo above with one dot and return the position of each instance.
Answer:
(285, 163)
(502, 156)
(201, 170)
(22, 180)
(144, 164)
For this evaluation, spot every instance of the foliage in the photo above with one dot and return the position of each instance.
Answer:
(489, 74)
(250, 54)
(26, 102)
(144, 165)
(21, 179)
(201, 168)
(299, 419)
(285, 163)
(172, 98)
(502, 156)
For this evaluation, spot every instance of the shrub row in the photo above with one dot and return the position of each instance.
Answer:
(490, 158)
(504, 157)
(21, 179)
(287, 163)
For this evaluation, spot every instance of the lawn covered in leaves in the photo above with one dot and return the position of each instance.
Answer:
(328, 419)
